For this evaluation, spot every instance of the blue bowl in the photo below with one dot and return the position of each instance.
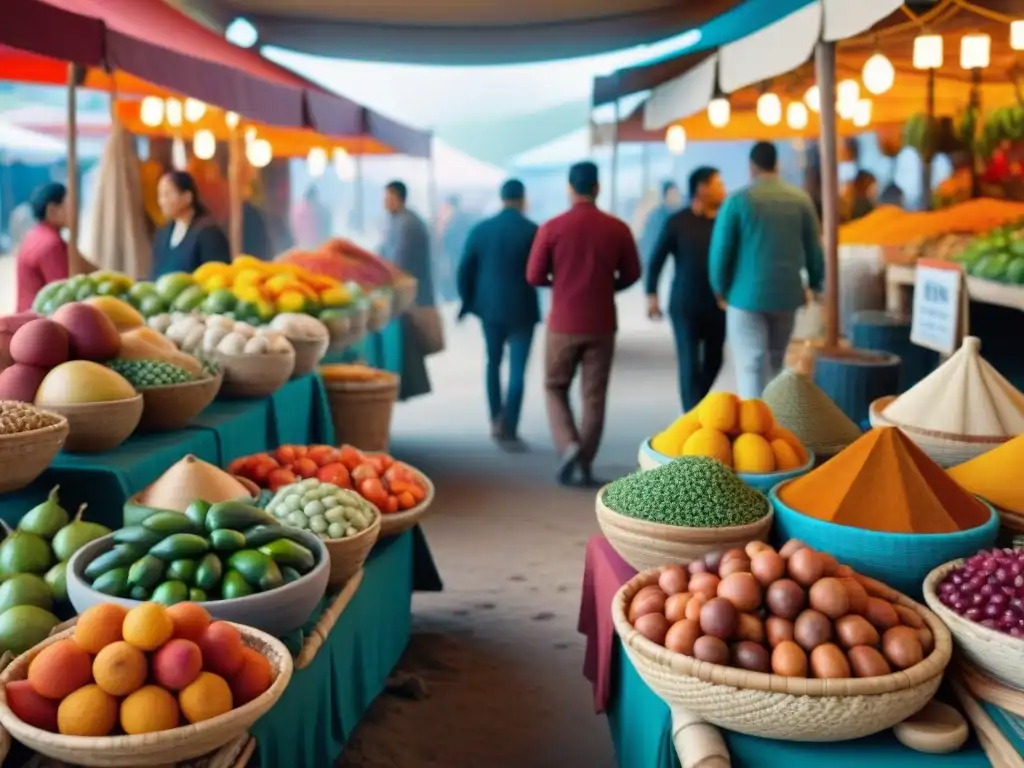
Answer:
(649, 458)
(900, 560)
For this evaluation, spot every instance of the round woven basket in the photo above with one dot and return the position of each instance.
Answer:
(775, 707)
(645, 545)
(944, 449)
(405, 289)
(98, 427)
(163, 747)
(998, 655)
(252, 376)
(349, 554)
(398, 523)
(172, 407)
(350, 328)
(361, 411)
(26, 455)
(381, 305)
(308, 354)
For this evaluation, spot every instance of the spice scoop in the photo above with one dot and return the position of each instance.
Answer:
(937, 729)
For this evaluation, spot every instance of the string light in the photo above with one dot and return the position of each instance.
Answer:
(796, 115)
(173, 110)
(344, 167)
(231, 120)
(1017, 35)
(975, 51)
(769, 109)
(259, 153)
(813, 99)
(151, 111)
(316, 162)
(878, 74)
(719, 112)
(862, 113)
(928, 52)
(675, 139)
(204, 144)
(179, 157)
(194, 110)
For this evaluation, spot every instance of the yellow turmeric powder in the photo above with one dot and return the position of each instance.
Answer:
(995, 475)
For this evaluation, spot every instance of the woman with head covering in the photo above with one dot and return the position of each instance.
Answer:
(191, 237)
(43, 254)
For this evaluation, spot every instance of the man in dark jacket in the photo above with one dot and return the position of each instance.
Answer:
(492, 285)
(698, 323)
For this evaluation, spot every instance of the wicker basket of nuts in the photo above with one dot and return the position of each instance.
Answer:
(29, 439)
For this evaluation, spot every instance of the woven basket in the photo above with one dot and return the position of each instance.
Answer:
(381, 304)
(160, 748)
(405, 289)
(775, 707)
(645, 545)
(349, 554)
(944, 449)
(361, 411)
(26, 455)
(996, 654)
(98, 427)
(398, 523)
(349, 328)
(252, 376)
(172, 407)
(308, 354)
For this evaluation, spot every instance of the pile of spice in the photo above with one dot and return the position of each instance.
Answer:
(802, 407)
(691, 492)
(884, 482)
(995, 475)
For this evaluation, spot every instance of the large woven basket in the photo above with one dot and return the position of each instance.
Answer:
(349, 554)
(160, 748)
(397, 523)
(775, 707)
(172, 407)
(26, 455)
(252, 376)
(308, 354)
(405, 289)
(361, 411)
(998, 655)
(944, 449)
(98, 427)
(645, 545)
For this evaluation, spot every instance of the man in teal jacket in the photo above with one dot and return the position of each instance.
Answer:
(765, 236)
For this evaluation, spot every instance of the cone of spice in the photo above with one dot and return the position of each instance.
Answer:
(802, 407)
(884, 482)
(995, 476)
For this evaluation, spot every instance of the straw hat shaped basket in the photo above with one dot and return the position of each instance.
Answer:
(945, 449)
(397, 523)
(644, 544)
(163, 747)
(257, 375)
(775, 707)
(172, 407)
(998, 655)
(24, 456)
(98, 427)
(349, 554)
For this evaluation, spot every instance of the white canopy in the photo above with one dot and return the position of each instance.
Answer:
(17, 143)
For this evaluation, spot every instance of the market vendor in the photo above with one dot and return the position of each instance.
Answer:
(191, 236)
(43, 254)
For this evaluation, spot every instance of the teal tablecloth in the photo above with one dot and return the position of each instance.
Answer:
(641, 730)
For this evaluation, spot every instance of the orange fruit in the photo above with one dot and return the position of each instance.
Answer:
(778, 432)
(222, 646)
(709, 442)
(755, 416)
(89, 711)
(719, 410)
(149, 709)
(59, 669)
(99, 626)
(190, 620)
(252, 678)
(208, 696)
(786, 457)
(120, 668)
(147, 626)
(752, 453)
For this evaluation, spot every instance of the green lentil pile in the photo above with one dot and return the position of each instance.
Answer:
(692, 492)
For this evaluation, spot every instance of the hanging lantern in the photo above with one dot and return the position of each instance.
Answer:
(928, 52)
(231, 120)
(975, 51)
(1017, 35)
(250, 135)
(847, 94)
(343, 165)
(796, 115)
(151, 111)
(204, 144)
(194, 110)
(675, 139)
(316, 162)
(769, 109)
(259, 153)
(862, 113)
(179, 156)
(173, 110)
(719, 112)
(878, 74)
(813, 99)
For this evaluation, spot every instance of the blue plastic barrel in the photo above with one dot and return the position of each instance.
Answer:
(856, 378)
(887, 332)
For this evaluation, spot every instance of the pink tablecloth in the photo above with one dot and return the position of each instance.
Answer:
(603, 574)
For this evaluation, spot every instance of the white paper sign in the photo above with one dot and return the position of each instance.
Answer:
(938, 305)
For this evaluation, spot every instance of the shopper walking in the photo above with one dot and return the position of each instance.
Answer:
(698, 323)
(765, 235)
(669, 204)
(586, 256)
(492, 285)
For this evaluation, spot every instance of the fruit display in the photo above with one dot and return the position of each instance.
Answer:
(885, 226)
(219, 551)
(323, 508)
(206, 336)
(139, 671)
(33, 568)
(17, 418)
(187, 479)
(345, 261)
(9, 324)
(794, 612)
(988, 588)
(996, 255)
(80, 288)
(389, 485)
(741, 434)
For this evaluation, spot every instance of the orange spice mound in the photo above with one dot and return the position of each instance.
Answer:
(884, 482)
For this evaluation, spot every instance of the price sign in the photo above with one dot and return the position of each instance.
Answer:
(940, 306)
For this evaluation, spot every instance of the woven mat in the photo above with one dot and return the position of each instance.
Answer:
(803, 408)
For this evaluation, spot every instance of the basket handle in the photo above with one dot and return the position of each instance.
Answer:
(698, 743)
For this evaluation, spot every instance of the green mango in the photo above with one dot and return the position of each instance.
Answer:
(23, 552)
(196, 595)
(75, 535)
(209, 572)
(57, 579)
(285, 552)
(25, 589)
(234, 585)
(226, 540)
(25, 626)
(146, 572)
(47, 518)
(113, 582)
(196, 512)
(180, 546)
(140, 593)
(237, 516)
(138, 534)
(259, 535)
(121, 556)
(182, 570)
(290, 574)
(258, 569)
(169, 523)
(170, 593)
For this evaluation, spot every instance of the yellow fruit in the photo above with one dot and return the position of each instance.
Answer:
(778, 432)
(149, 709)
(752, 454)
(120, 668)
(755, 416)
(249, 277)
(709, 442)
(147, 626)
(89, 711)
(290, 301)
(249, 262)
(82, 381)
(666, 443)
(207, 697)
(786, 457)
(719, 410)
(247, 292)
(216, 282)
(212, 269)
(336, 296)
(280, 283)
(121, 313)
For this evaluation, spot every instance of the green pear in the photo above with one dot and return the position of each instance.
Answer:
(75, 535)
(23, 552)
(45, 519)
(25, 589)
(57, 579)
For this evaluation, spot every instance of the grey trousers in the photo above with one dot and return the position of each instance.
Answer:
(758, 341)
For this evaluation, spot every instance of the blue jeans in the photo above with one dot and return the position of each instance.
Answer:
(506, 410)
(758, 341)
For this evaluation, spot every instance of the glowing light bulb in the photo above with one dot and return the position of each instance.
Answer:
(231, 120)
(316, 162)
(344, 167)
(719, 112)
(675, 139)
(813, 99)
(174, 112)
(769, 109)
(194, 110)
(204, 144)
(179, 157)
(878, 74)
(796, 115)
(151, 111)
(259, 153)
(862, 113)
(975, 51)
(928, 52)
(1017, 35)
(847, 93)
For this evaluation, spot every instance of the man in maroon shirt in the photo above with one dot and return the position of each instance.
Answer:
(586, 256)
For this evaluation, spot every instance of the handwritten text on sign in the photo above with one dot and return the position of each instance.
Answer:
(938, 303)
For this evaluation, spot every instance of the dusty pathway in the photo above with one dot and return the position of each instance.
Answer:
(498, 649)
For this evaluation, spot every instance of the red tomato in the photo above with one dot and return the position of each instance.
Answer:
(391, 506)
(286, 454)
(323, 455)
(240, 466)
(365, 471)
(406, 500)
(305, 467)
(279, 478)
(336, 474)
(351, 457)
(260, 471)
(373, 491)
